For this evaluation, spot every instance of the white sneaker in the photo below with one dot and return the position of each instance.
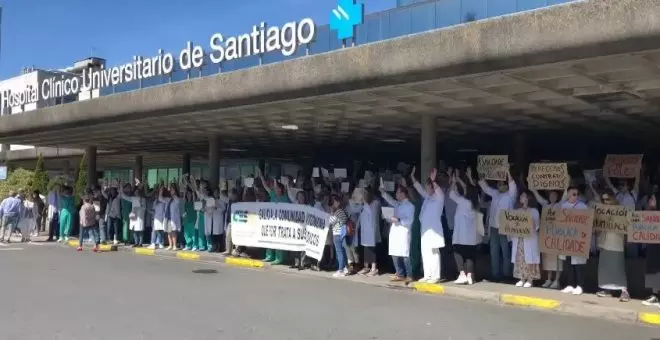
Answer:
(424, 280)
(66, 238)
(175, 248)
(652, 301)
(339, 273)
(169, 248)
(546, 284)
(554, 285)
(462, 279)
(469, 279)
(520, 283)
(115, 242)
(433, 281)
(152, 246)
(160, 246)
(568, 289)
(345, 271)
(577, 290)
(527, 284)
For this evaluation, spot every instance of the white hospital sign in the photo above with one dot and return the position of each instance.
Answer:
(261, 40)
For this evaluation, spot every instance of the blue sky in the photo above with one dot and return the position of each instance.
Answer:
(55, 33)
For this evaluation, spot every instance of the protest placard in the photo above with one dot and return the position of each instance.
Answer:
(612, 218)
(283, 226)
(645, 227)
(622, 166)
(493, 167)
(548, 176)
(566, 231)
(515, 222)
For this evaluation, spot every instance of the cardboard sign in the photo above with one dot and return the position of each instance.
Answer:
(612, 218)
(645, 227)
(341, 173)
(548, 176)
(566, 231)
(622, 166)
(248, 182)
(315, 172)
(515, 222)
(345, 186)
(389, 186)
(493, 167)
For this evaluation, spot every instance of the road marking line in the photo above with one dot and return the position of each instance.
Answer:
(431, 288)
(244, 262)
(650, 318)
(528, 301)
(10, 249)
(36, 243)
(186, 255)
(145, 251)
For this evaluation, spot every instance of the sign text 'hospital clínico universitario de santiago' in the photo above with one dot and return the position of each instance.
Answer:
(261, 40)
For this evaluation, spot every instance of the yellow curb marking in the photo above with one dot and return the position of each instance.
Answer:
(105, 247)
(527, 301)
(430, 288)
(186, 255)
(650, 318)
(244, 262)
(143, 251)
(72, 243)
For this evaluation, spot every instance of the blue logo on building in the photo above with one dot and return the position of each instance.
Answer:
(346, 17)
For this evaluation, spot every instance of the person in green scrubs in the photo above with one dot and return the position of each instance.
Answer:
(277, 195)
(67, 209)
(189, 220)
(126, 208)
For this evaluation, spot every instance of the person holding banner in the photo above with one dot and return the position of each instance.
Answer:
(576, 263)
(627, 197)
(277, 195)
(525, 251)
(501, 199)
(399, 236)
(430, 218)
(551, 263)
(652, 278)
(611, 259)
(465, 237)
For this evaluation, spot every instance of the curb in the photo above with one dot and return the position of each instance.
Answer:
(194, 256)
(649, 318)
(242, 262)
(102, 247)
(429, 288)
(528, 301)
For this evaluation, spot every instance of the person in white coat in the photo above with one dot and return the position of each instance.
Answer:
(137, 215)
(369, 227)
(399, 236)
(430, 218)
(465, 237)
(551, 263)
(525, 254)
(501, 199)
(161, 204)
(173, 217)
(221, 202)
(577, 263)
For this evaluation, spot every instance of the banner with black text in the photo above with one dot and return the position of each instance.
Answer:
(283, 226)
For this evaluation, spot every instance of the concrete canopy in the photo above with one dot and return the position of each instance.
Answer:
(588, 66)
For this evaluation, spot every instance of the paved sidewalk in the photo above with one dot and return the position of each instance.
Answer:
(588, 305)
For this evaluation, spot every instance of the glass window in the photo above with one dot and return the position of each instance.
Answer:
(247, 170)
(501, 7)
(447, 13)
(196, 171)
(173, 175)
(152, 177)
(209, 68)
(423, 17)
(152, 81)
(400, 23)
(126, 87)
(179, 74)
(472, 10)
(162, 176)
(525, 5)
(321, 42)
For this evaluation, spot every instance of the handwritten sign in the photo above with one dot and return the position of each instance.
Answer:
(612, 218)
(645, 227)
(622, 166)
(548, 176)
(566, 231)
(516, 223)
(493, 167)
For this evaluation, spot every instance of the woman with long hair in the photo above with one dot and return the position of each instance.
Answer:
(465, 237)
(525, 253)
(189, 220)
(653, 261)
(337, 220)
(550, 263)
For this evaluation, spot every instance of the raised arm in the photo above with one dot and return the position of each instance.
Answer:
(263, 180)
(391, 201)
(457, 178)
(487, 189)
(539, 198)
(417, 185)
(609, 184)
(468, 174)
(436, 188)
(635, 188)
(513, 188)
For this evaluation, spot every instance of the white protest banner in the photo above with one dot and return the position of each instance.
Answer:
(283, 226)
(248, 182)
(622, 166)
(389, 186)
(340, 173)
(548, 176)
(315, 172)
(493, 167)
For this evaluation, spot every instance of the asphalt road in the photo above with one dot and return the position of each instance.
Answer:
(48, 292)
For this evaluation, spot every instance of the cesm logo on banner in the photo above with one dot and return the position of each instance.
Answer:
(284, 226)
(346, 17)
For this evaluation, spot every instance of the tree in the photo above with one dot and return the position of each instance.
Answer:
(40, 180)
(16, 180)
(81, 179)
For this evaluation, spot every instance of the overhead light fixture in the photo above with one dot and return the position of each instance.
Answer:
(393, 140)
(234, 150)
(467, 150)
(292, 127)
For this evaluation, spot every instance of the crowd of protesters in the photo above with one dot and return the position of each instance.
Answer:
(456, 214)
